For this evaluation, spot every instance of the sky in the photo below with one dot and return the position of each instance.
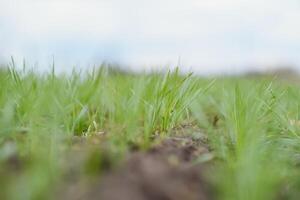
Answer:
(217, 36)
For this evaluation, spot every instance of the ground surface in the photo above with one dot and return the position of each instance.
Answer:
(110, 134)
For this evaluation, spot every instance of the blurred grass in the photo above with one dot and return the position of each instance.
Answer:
(252, 125)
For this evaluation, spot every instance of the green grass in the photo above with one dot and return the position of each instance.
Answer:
(252, 126)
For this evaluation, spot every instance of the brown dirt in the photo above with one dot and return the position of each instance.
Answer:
(165, 172)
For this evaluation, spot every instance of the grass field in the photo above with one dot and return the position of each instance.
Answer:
(57, 127)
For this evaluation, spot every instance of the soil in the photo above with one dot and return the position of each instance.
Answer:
(167, 171)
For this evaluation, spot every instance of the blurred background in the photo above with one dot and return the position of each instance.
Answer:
(207, 37)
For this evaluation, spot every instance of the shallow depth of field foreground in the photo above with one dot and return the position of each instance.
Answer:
(112, 135)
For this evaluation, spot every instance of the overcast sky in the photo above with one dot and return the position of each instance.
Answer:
(205, 36)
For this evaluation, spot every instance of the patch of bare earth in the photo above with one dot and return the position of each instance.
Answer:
(167, 171)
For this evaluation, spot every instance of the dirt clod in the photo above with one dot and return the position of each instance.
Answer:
(164, 172)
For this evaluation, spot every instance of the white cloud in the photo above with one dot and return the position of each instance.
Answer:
(217, 33)
(47, 18)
